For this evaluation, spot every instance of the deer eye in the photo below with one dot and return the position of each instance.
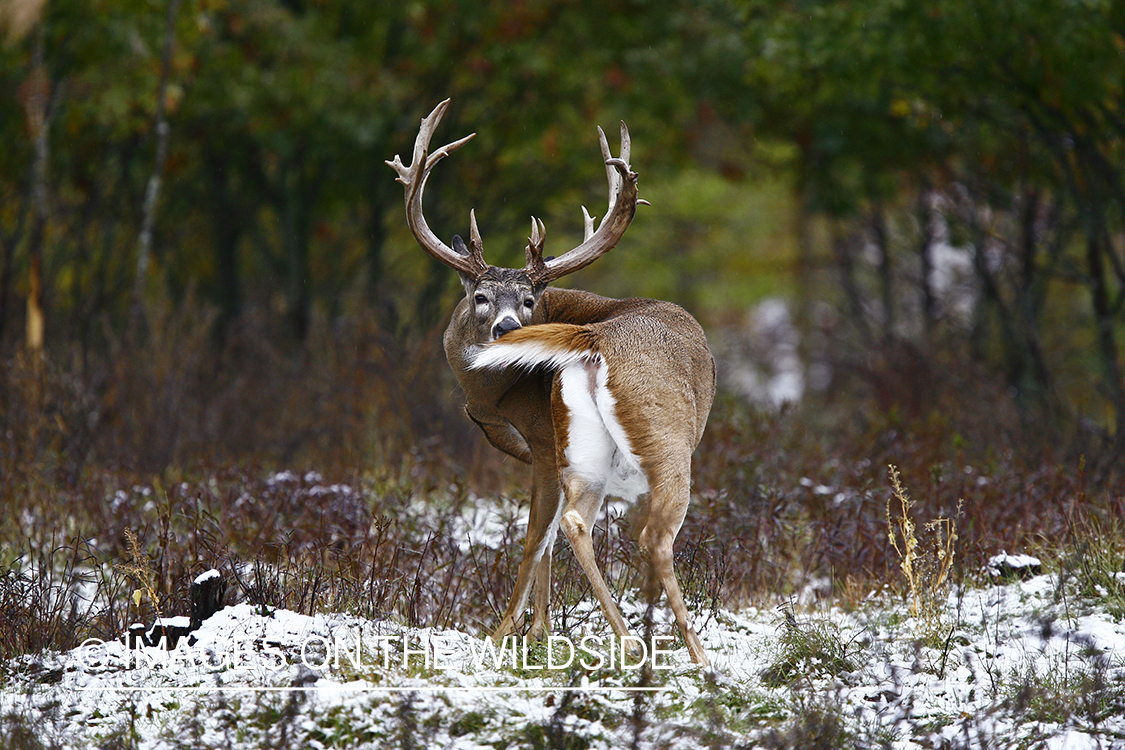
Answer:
(529, 303)
(481, 299)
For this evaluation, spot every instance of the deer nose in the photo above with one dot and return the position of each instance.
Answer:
(507, 324)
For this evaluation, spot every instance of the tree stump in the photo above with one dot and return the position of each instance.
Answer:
(207, 591)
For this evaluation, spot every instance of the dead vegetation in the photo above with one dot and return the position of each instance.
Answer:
(339, 476)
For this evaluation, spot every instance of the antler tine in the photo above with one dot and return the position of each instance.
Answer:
(626, 146)
(622, 205)
(610, 168)
(535, 267)
(414, 178)
(476, 246)
(588, 224)
(538, 232)
(626, 143)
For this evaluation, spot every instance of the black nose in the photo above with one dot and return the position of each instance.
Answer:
(506, 325)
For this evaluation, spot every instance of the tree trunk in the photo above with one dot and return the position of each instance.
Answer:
(1036, 376)
(152, 191)
(296, 243)
(37, 120)
(226, 215)
(378, 295)
(885, 270)
(298, 197)
(1105, 332)
(8, 246)
(842, 245)
(927, 218)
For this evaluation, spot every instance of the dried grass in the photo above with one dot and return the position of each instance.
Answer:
(176, 437)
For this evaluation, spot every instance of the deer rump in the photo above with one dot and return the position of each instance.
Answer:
(594, 444)
(591, 437)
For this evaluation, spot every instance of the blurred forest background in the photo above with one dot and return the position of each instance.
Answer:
(904, 219)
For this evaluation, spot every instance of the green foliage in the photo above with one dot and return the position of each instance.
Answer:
(1077, 685)
(1097, 563)
(816, 725)
(892, 87)
(281, 115)
(750, 119)
(720, 244)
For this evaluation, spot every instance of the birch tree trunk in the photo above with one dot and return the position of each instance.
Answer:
(152, 191)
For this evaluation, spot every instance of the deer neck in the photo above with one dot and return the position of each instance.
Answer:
(483, 388)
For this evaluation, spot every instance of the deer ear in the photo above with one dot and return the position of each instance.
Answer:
(459, 245)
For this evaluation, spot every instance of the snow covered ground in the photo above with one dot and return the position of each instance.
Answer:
(1022, 664)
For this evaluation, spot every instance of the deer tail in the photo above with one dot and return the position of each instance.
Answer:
(550, 345)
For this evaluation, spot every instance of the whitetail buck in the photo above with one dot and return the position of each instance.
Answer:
(601, 396)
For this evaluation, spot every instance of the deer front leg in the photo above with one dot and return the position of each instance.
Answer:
(503, 436)
(541, 590)
(535, 567)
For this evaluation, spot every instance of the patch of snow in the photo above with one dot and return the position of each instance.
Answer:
(207, 575)
(341, 677)
(485, 523)
(282, 477)
(1014, 561)
(817, 489)
(332, 489)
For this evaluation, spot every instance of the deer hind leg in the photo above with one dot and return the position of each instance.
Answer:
(668, 506)
(535, 567)
(583, 501)
(588, 456)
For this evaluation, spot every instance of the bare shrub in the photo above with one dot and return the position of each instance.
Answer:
(926, 564)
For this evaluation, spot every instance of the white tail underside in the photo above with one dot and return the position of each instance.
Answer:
(528, 355)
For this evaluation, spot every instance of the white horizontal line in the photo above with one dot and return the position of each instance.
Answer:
(374, 689)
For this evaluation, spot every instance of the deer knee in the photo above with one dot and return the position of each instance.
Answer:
(656, 544)
(573, 525)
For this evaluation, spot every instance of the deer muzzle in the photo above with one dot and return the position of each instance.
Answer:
(506, 324)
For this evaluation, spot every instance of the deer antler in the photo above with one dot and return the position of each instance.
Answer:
(619, 214)
(414, 178)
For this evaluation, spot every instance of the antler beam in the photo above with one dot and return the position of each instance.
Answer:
(414, 178)
(619, 214)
